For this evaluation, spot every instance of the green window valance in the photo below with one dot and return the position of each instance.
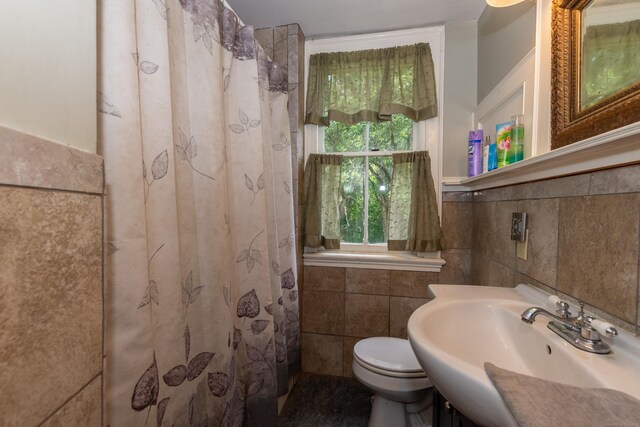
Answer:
(371, 85)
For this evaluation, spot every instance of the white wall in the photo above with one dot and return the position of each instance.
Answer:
(460, 80)
(48, 69)
(505, 36)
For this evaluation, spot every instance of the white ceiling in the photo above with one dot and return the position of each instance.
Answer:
(325, 18)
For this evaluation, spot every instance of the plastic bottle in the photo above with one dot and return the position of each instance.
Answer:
(485, 154)
(516, 150)
(503, 139)
(475, 153)
(492, 154)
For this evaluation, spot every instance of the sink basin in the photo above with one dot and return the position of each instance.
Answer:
(465, 326)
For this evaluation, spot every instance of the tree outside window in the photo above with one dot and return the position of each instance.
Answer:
(366, 174)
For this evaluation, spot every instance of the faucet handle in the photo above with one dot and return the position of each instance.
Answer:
(604, 328)
(563, 309)
(592, 328)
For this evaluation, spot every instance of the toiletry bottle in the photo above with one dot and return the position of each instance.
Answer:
(475, 153)
(492, 158)
(516, 150)
(503, 140)
(485, 154)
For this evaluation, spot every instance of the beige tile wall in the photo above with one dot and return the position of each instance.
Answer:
(344, 305)
(285, 46)
(583, 244)
(50, 283)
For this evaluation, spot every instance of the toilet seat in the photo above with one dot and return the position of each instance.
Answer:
(388, 356)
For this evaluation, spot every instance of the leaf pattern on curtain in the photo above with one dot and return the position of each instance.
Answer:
(187, 150)
(202, 318)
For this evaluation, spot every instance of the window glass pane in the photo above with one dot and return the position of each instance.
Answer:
(340, 138)
(391, 136)
(352, 200)
(380, 170)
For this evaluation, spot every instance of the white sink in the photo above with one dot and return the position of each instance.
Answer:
(466, 326)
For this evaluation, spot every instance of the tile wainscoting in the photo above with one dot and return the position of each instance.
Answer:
(584, 243)
(51, 252)
(341, 306)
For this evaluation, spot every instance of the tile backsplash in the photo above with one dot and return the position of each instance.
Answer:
(583, 240)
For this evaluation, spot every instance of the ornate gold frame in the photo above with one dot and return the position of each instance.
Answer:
(568, 123)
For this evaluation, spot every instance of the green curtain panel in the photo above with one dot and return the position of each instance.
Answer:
(321, 201)
(371, 85)
(414, 224)
(611, 60)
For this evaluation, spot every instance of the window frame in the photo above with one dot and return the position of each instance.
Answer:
(418, 143)
(428, 134)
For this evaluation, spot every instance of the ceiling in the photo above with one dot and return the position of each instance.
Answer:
(325, 18)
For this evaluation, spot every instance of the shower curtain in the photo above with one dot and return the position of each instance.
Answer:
(201, 290)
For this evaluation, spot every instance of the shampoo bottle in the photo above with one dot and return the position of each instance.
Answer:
(485, 154)
(503, 139)
(475, 153)
(492, 154)
(516, 150)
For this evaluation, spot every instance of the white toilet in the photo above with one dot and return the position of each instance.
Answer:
(388, 367)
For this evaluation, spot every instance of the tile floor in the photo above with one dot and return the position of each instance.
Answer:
(326, 401)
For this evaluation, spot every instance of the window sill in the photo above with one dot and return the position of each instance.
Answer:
(376, 261)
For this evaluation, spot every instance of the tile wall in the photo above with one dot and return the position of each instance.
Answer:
(583, 240)
(584, 243)
(51, 221)
(285, 46)
(343, 305)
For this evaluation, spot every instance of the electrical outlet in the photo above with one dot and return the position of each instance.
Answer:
(521, 247)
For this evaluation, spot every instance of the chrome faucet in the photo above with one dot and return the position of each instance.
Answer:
(562, 315)
(579, 331)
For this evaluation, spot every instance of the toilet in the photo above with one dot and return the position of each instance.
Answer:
(389, 368)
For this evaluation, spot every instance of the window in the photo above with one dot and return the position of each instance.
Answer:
(367, 147)
(366, 174)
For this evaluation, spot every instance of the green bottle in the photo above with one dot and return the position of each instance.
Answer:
(516, 149)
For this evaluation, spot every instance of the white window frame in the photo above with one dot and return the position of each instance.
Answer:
(428, 135)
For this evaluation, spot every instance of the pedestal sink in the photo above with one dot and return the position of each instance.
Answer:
(465, 326)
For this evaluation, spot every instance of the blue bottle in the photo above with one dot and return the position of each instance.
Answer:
(492, 161)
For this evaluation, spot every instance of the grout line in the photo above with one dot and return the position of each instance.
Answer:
(55, 411)
(52, 190)
(104, 323)
(638, 285)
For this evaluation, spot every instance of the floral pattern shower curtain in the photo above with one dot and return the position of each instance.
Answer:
(201, 294)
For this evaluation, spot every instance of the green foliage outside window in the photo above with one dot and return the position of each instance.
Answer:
(376, 142)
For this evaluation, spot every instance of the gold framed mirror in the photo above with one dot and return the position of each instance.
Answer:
(595, 68)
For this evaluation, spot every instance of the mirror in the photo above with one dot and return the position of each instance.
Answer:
(595, 68)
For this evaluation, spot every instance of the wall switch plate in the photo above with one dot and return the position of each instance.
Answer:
(518, 226)
(521, 247)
